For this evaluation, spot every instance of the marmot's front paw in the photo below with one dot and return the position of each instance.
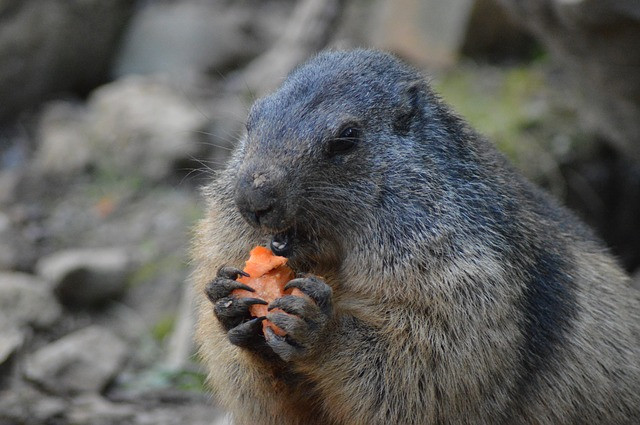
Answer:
(304, 319)
(233, 312)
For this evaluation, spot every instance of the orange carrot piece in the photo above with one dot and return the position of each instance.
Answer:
(268, 274)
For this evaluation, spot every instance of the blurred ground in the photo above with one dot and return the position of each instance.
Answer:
(112, 115)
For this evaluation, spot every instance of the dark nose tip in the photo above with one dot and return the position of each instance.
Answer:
(256, 198)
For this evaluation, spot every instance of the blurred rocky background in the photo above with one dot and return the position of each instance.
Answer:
(112, 114)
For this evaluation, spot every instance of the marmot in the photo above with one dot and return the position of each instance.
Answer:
(444, 288)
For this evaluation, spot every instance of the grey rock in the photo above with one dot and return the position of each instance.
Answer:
(8, 182)
(92, 409)
(86, 277)
(135, 127)
(309, 29)
(27, 300)
(53, 46)
(18, 238)
(5, 222)
(11, 339)
(64, 146)
(199, 414)
(23, 404)
(597, 42)
(427, 32)
(15, 252)
(83, 361)
(170, 406)
(180, 345)
(143, 126)
(635, 280)
(181, 36)
(7, 254)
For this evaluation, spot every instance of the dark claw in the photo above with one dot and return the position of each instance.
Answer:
(247, 334)
(233, 305)
(221, 287)
(231, 273)
(251, 301)
(316, 289)
(232, 311)
(294, 305)
(303, 319)
(294, 326)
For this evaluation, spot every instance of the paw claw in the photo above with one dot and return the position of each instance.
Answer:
(297, 330)
(232, 311)
(295, 305)
(247, 334)
(222, 287)
(231, 273)
(316, 289)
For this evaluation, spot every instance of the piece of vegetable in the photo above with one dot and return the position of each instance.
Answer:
(268, 274)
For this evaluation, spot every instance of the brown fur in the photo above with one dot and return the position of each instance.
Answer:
(440, 324)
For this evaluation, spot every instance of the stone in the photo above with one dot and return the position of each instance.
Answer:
(92, 409)
(425, 32)
(169, 407)
(16, 252)
(309, 29)
(134, 127)
(55, 46)
(144, 126)
(11, 339)
(24, 404)
(26, 300)
(8, 181)
(184, 36)
(86, 278)
(5, 222)
(180, 346)
(7, 254)
(64, 146)
(84, 361)
(18, 238)
(635, 280)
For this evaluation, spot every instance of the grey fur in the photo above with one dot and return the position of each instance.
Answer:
(462, 294)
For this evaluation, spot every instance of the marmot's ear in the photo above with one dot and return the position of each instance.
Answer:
(412, 100)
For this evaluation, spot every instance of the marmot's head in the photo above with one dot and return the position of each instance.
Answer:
(334, 145)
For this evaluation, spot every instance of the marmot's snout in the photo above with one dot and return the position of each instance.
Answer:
(260, 200)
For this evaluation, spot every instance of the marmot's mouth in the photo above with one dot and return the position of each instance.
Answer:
(294, 243)
(282, 243)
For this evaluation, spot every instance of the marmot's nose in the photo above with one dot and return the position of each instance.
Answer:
(258, 201)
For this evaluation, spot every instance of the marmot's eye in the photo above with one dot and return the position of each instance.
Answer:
(345, 142)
